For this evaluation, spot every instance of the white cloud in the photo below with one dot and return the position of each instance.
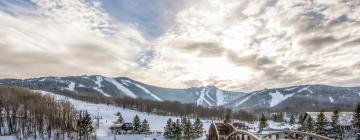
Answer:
(271, 29)
(67, 38)
(238, 45)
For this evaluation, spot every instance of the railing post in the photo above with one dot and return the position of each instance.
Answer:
(242, 137)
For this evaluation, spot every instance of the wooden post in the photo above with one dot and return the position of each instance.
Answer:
(242, 137)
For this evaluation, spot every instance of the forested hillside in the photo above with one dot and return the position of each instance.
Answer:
(27, 114)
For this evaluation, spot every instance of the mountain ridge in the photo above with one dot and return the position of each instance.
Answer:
(308, 96)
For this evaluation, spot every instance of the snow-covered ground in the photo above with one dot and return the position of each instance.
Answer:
(156, 122)
(7, 138)
(106, 113)
(271, 126)
(121, 87)
(277, 98)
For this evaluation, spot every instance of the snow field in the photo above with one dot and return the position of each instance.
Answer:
(106, 113)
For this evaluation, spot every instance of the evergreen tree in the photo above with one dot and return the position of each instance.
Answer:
(145, 127)
(335, 130)
(275, 118)
(301, 119)
(198, 128)
(227, 119)
(116, 128)
(263, 122)
(177, 129)
(168, 130)
(136, 124)
(356, 121)
(309, 124)
(302, 123)
(85, 125)
(320, 124)
(187, 129)
(281, 117)
(120, 119)
(303, 126)
(292, 119)
(183, 122)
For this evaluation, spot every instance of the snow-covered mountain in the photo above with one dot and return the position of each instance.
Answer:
(295, 98)
(122, 86)
(299, 98)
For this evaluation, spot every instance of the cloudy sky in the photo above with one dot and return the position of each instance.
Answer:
(232, 44)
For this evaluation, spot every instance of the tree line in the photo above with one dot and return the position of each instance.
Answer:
(330, 128)
(184, 129)
(165, 108)
(25, 114)
(137, 126)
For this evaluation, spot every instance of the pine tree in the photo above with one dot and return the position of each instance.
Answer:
(136, 124)
(85, 124)
(335, 131)
(275, 118)
(281, 117)
(120, 119)
(356, 121)
(187, 129)
(292, 119)
(263, 122)
(309, 124)
(177, 129)
(302, 122)
(320, 124)
(168, 130)
(116, 128)
(227, 119)
(303, 126)
(183, 122)
(145, 127)
(301, 119)
(198, 128)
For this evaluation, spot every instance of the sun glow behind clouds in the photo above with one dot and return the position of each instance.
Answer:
(220, 68)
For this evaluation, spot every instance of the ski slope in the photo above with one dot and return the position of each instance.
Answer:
(71, 86)
(277, 98)
(148, 92)
(98, 81)
(121, 87)
(106, 113)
